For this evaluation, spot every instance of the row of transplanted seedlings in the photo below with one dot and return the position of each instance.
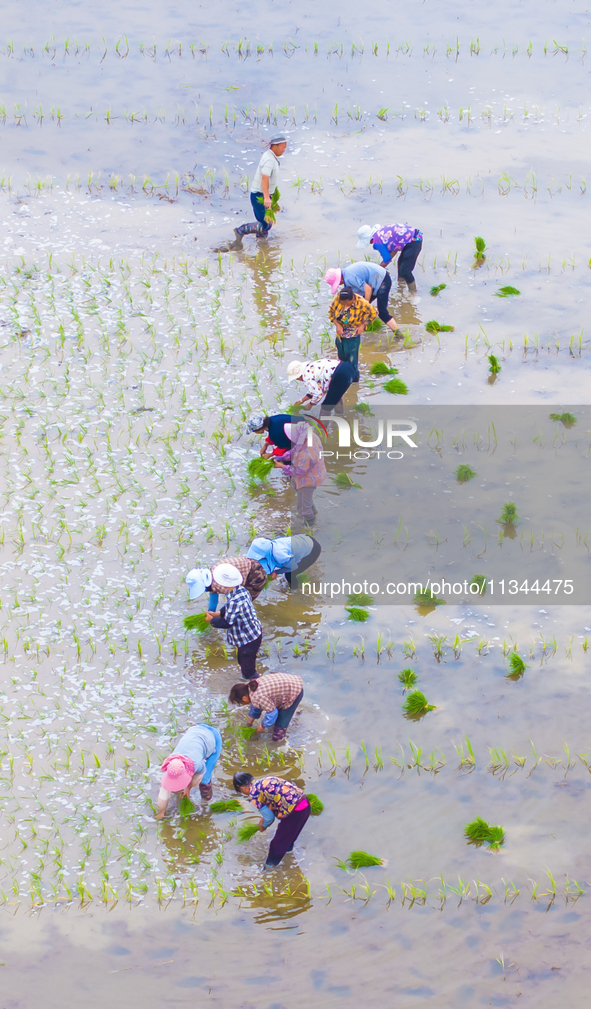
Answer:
(121, 48)
(111, 374)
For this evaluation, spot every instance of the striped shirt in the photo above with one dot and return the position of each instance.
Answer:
(238, 613)
(276, 690)
(254, 577)
(279, 795)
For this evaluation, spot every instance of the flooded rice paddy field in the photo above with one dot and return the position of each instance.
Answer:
(131, 354)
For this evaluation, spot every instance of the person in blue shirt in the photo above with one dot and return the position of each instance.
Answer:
(285, 555)
(369, 280)
(273, 428)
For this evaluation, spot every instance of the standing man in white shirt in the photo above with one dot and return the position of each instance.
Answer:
(263, 186)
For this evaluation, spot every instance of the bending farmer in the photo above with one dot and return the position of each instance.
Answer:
(274, 429)
(285, 555)
(326, 382)
(191, 763)
(351, 314)
(239, 618)
(276, 694)
(285, 800)
(391, 239)
(370, 281)
(200, 580)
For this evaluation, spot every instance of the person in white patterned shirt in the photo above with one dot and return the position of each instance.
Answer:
(326, 382)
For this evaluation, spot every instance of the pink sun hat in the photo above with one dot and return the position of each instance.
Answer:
(333, 277)
(178, 772)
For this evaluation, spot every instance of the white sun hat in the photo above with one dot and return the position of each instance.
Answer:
(365, 235)
(227, 575)
(295, 369)
(198, 580)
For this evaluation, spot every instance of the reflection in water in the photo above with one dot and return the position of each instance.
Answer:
(263, 262)
(188, 841)
(282, 894)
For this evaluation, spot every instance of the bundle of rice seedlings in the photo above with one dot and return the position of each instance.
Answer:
(381, 368)
(396, 386)
(247, 831)
(481, 581)
(359, 599)
(356, 613)
(225, 806)
(509, 516)
(345, 481)
(435, 290)
(427, 598)
(480, 832)
(374, 327)
(436, 327)
(568, 419)
(362, 860)
(316, 806)
(196, 622)
(464, 473)
(417, 704)
(507, 292)
(271, 211)
(363, 408)
(246, 731)
(517, 666)
(493, 364)
(186, 807)
(480, 246)
(408, 678)
(259, 468)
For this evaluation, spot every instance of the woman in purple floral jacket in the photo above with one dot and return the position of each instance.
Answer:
(389, 239)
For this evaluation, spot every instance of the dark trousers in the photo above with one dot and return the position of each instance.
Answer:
(348, 350)
(342, 377)
(286, 835)
(305, 563)
(259, 213)
(382, 296)
(247, 657)
(284, 716)
(407, 259)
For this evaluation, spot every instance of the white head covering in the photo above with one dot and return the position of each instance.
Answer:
(198, 580)
(295, 369)
(227, 575)
(365, 235)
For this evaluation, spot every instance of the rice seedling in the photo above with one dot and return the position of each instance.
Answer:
(396, 387)
(361, 860)
(479, 250)
(316, 805)
(344, 481)
(517, 666)
(363, 408)
(246, 832)
(381, 368)
(245, 731)
(436, 290)
(225, 806)
(186, 807)
(426, 597)
(507, 292)
(464, 473)
(416, 705)
(436, 327)
(360, 599)
(479, 832)
(374, 326)
(480, 582)
(357, 614)
(259, 468)
(407, 678)
(196, 622)
(566, 419)
(509, 516)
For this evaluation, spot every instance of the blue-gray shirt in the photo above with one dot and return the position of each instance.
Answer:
(357, 275)
(198, 743)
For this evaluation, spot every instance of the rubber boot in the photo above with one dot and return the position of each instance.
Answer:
(246, 229)
(206, 792)
(279, 734)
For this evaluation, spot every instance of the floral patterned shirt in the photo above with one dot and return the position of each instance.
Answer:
(394, 237)
(279, 795)
(317, 376)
